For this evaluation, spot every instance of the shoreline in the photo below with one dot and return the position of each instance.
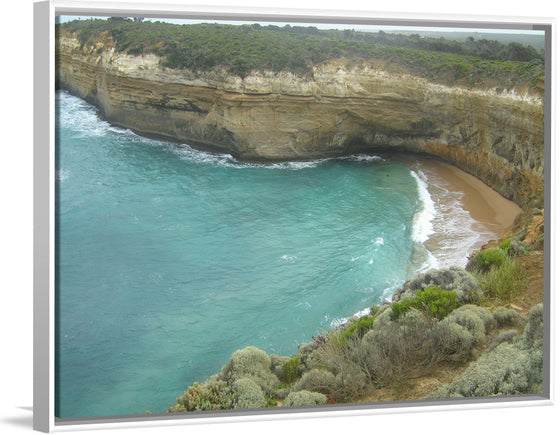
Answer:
(491, 212)
(480, 200)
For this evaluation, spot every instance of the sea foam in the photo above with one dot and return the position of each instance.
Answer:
(422, 225)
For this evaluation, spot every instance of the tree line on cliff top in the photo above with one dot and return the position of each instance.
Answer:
(241, 49)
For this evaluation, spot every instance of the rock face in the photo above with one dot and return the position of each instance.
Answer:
(267, 116)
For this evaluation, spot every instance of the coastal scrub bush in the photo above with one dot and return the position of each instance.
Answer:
(502, 337)
(399, 308)
(450, 342)
(533, 333)
(433, 302)
(504, 281)
(490, 258)
(359, 327)
(290, 370)
(518, 248)
(344, 374)
(309, 354)
(318, 380)
(453, 339)
(501, 371)
(211, 395)
(454, 279)
(506, 317)
(352, 384)
(392, 352)
(484, 314)
(305, 398)
(477, 320)
(509, 368)
(252, 363)
(248, 394)
(277, 363)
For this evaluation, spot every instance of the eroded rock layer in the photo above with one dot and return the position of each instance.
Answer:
(498, 137)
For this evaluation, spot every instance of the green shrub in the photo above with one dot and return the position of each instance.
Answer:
(290, 370)
(506, 317)
(399, 308)
(305, 398)
(514, 247)
(277, 363)
(454, 279)
(248, 394)
(433, 301)
(352, 384)
(209, 396)
(508, 368)
(504, 281)
(345, 374)
(318, 380)
(450, 341)
(533, 333)
(252, 363)
(390, 353)
(489, 259)
(437, 302)
(471, 318)
(484, 314)
(518, 248)
(503, 337)
(308, 353)
(504, 370)
(359, 327)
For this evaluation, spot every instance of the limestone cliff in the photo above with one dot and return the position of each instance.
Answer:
(498, 137)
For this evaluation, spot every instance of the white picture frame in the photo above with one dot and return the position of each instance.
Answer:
(44, 155)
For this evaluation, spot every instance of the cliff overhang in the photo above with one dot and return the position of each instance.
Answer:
(278, 116)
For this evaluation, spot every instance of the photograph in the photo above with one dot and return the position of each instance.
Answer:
(302, 217)
(263, 214)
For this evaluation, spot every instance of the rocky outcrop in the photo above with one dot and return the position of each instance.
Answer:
(498, 137)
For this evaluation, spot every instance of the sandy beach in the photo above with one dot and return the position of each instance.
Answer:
(483, 203)
(469, 213)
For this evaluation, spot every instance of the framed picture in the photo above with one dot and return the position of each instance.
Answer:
(264, 213)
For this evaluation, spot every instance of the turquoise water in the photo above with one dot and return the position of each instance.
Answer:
(170, 259)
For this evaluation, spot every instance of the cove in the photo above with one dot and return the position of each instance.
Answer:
(170, 259)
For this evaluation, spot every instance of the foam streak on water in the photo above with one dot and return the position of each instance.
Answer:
(422, 226)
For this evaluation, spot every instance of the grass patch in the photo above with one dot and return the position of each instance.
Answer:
(490, 258)
(504, 281)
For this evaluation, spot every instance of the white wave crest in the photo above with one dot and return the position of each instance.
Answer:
(422, 225)
(289, 258)
(76, 114)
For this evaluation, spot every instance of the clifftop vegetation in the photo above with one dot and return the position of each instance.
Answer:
(243, 48)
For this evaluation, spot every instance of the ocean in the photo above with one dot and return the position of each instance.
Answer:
(169, 259)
